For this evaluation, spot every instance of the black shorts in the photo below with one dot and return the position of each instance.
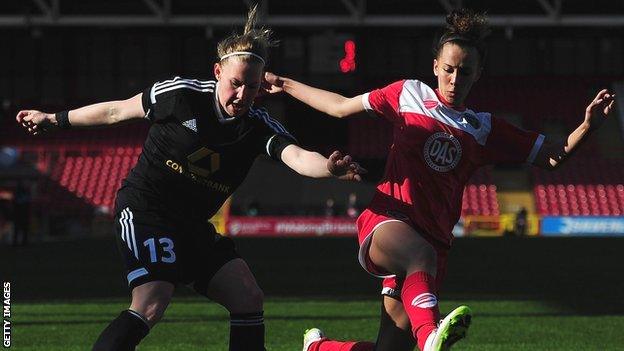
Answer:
(157, 247)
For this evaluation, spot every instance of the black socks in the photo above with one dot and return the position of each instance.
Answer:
(123, 334)
(247, 332)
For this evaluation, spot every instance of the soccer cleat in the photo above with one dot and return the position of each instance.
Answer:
(311, 336)
(450, 330)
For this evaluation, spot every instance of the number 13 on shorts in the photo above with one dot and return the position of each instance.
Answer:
(166, 246)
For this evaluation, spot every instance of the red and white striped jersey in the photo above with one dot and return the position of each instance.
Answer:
(434, 152)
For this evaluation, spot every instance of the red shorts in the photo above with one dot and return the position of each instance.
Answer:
(367, 223)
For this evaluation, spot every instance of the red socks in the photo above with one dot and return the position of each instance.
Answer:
(330, 345)
(421, 304)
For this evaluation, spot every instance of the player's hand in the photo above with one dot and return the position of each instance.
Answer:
(272, 84)
(343, 167)
(599, 109)
(35, 122)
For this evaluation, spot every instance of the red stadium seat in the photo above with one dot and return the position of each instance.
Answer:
(574, 191)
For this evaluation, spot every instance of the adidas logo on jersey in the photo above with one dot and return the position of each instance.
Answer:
(191, 124)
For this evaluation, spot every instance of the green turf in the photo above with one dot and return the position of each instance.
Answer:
(191, 324)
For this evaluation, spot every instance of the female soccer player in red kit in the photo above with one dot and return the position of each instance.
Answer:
(438, 143)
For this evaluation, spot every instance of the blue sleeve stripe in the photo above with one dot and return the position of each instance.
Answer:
(275, 125)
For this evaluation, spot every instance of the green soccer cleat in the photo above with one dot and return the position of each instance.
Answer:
(310, 336)
(450, 330)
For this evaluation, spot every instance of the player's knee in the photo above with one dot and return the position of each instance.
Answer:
(421, 257)
(426, 257)
(422, 263)
(151, 300)
(152, 309)
(250, 301)
(255, 300)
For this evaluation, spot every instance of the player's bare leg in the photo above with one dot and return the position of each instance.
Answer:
(149, 302)
(399, 249)
(236, 289)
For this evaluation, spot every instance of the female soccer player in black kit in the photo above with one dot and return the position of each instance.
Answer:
(204, 137)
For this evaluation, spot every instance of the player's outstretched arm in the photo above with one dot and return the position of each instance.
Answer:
(325, 101)
(312, 164)
(101, 114)
(552, 155)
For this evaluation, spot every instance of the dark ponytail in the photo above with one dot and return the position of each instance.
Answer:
(466, 29)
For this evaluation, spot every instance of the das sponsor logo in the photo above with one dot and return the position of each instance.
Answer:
(442, 152)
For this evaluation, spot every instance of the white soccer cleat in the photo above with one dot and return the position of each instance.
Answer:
(311, 336)
(450, 330)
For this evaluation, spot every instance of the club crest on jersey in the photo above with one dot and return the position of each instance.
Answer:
(442, 152)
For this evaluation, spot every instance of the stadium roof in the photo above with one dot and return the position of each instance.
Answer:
(317, 13)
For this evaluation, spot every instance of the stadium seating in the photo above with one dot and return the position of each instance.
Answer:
(480, 195)
(480, 199)
(95, 179)
(586, 187)
(83, 169)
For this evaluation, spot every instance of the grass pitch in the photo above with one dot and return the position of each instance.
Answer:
(195, 324)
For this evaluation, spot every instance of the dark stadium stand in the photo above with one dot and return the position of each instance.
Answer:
(539, 101)
(369, 137)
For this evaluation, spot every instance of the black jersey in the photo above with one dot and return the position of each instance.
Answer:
(195, 155)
